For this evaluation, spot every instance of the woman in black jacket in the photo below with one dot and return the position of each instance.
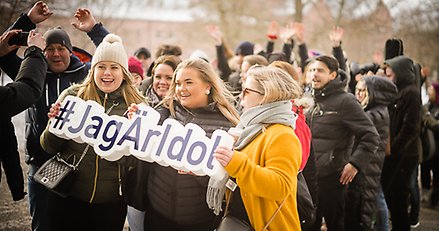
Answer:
(374, 93)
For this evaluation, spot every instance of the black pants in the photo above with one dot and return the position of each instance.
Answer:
(69, 214)
(10, 159)
(332, 196)
(396, 178)
(154, 221)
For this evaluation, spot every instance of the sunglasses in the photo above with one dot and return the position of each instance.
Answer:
(247, 90)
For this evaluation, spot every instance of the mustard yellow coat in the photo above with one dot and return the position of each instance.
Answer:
(266, 172)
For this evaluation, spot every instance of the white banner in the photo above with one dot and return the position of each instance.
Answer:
(184, 148)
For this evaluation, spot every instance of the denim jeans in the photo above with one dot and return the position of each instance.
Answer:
(135, 219)
(38, 202)
(382, 214)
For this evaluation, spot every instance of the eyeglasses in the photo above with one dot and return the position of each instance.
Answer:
(246, 90)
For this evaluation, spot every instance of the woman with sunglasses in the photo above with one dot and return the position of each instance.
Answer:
(267, 154)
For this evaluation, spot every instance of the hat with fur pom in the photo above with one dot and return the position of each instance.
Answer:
(111, 49)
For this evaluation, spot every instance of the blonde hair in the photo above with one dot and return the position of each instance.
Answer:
(287, 68)
(218, 91)
(87, 90)
(276, 84)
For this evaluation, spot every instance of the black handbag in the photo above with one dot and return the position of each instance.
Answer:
(230, 223)
(305, 205)
(57, 175)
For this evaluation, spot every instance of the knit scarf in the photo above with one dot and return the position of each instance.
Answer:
(253, 122)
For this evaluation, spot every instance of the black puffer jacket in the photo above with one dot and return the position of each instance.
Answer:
(335, 120)
(55, 83)
(182, 197)
(382, 92)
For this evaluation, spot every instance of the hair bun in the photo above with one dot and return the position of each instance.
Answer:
(112, 38)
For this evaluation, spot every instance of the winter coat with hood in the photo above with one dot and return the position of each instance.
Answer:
(382, 92)
(405, 112)
(55, 83)
(335, 120)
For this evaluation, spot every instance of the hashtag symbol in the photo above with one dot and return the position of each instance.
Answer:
(64, 114)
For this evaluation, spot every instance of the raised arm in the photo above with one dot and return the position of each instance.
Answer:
(287, 35)
(27, 88)
(85, 21)
(299, 36)
(336, 36)
(223, 66)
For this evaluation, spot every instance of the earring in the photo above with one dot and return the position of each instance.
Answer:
(207, 91)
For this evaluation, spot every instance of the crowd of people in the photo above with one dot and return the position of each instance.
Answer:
(358, 134)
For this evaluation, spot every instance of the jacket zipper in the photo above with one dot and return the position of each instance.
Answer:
(95, 182)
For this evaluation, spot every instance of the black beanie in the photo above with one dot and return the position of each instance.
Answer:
(394, 47)
(58, 35)
(244, 48)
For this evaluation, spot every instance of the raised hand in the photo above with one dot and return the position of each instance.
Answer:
(336, 35)
(5, 48)
(272, 31)
(36, 39)
(216, 34)
(299, 32)
(54, 110)
(287, 33)
(39, 12)
(84, 20)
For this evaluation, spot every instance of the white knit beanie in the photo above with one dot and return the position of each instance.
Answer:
(111, 49)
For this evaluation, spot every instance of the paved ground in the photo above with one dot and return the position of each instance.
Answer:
(14, 216)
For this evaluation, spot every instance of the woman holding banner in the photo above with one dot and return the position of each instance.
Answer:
(177, 200)
(154, 88)
(267, 154)
(94, 201)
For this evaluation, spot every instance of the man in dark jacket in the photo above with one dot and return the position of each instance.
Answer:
(16, 97)
(335, 120)
(405, 144)
(64, 69)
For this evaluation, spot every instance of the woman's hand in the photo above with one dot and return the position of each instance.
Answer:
(54, 110)
(131, 110)
(223, 155)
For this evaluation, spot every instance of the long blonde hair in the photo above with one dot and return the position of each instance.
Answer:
(218, 91)
(87, 90)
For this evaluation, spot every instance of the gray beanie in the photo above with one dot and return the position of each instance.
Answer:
(58, 35)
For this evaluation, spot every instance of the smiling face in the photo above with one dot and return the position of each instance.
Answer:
(108, 76)
(162, 79)
(191, 89)
(320, 74)
(58, 57)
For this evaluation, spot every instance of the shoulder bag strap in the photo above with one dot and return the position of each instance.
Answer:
(274, 215)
